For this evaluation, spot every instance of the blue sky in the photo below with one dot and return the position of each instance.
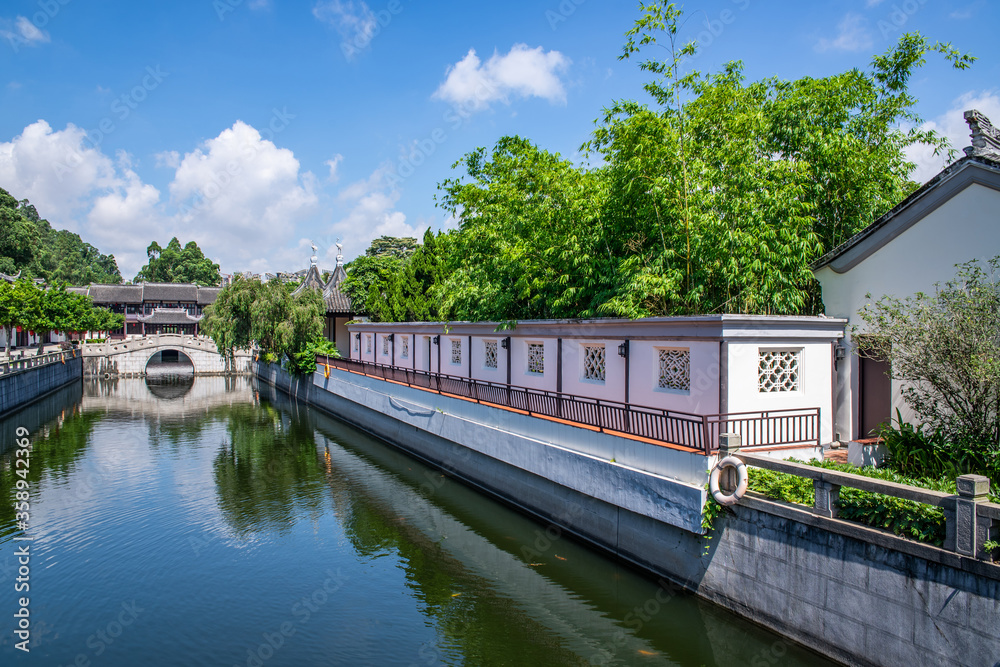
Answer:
(255, 127)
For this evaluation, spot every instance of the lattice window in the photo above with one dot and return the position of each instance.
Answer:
(491, 353)
(456, 351)
(405, 352)
(593, 362)
(675, 369)
(385, 346)
(536, 358)
(368, 343)
(778, 371)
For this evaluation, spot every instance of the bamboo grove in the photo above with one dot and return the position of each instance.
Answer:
(715, 196)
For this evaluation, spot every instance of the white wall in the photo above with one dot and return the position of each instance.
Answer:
(815, 381)
(704, 339)
(965, 227)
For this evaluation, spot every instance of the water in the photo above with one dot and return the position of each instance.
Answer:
(207, 521)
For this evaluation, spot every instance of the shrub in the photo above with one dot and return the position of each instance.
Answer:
(304, 362)
(922, 453)
(906, 518)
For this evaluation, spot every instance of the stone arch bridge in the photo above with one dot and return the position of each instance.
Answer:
(128, 358)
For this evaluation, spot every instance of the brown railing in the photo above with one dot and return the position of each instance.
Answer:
(763, 429)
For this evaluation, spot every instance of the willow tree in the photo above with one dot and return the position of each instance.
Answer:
(248, 313)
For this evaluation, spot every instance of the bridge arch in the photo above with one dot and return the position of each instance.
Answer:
(170, 360)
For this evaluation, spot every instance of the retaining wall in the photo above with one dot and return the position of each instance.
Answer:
(20, 388)
(858, 595)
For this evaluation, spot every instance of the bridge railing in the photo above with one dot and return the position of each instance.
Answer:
(27, 362)
(762, 430)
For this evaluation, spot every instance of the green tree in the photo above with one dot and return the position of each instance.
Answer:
(249, 313)
(945, 347)
(391, 246)
(374, 284)
(29, 244)
(174, 264)
(229, 320)
(18, 236)
(529, 241)
(725, 191)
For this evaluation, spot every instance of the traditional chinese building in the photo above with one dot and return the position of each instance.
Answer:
(338, 304)
(152, 308)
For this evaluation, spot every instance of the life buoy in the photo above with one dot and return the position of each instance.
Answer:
(741, 485)
(326, 373)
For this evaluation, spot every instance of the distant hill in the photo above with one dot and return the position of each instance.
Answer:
(30, 245)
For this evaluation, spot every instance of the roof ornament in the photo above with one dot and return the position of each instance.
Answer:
(314, 260)
(340, 252)
(985, 137)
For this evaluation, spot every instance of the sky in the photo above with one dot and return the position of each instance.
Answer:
(257, 128)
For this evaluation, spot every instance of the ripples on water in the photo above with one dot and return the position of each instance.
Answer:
(206, 521)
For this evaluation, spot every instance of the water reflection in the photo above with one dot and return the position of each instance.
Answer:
(169, 387)
(266, 472)
(221, 508)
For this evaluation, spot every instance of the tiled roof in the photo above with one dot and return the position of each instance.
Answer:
(311, 281)
(169, 316)
(170, 292)
(207, 295)
(926, 192)
(116, 293)
(336, 301)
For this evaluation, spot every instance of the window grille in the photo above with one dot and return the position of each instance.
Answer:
(405, 352)
(357, 343)
(675, 370)
(593, 362)
(368, 343)
(536, 358)
(385, 346)
(456, 351)
(778, 371)
(491, 353)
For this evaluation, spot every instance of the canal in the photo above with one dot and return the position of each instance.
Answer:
(210, 521)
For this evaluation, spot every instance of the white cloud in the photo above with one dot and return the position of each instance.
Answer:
(333, 163)
(241, 193)
(952, 125)
(238, 195)
(56, 170)
(371, 204)
(852, 35)
(523, 72)
(357, 24)
(967, 12)
(22, 32)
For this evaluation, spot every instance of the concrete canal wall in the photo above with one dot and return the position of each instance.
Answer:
(19, 387)
(853, 593)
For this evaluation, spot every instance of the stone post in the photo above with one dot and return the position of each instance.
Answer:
(729, 445)
(963, 537)
(827, 495)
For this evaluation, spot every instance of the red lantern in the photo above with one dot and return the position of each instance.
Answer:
(19, 329)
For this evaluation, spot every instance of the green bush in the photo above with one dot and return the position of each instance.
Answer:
(304, 362)
(906, 518)
(922, 453)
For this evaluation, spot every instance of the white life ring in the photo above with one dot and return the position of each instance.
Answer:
(741, 485)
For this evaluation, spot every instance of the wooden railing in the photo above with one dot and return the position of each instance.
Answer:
(970, 519)
(769, 429)
(33, 361)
